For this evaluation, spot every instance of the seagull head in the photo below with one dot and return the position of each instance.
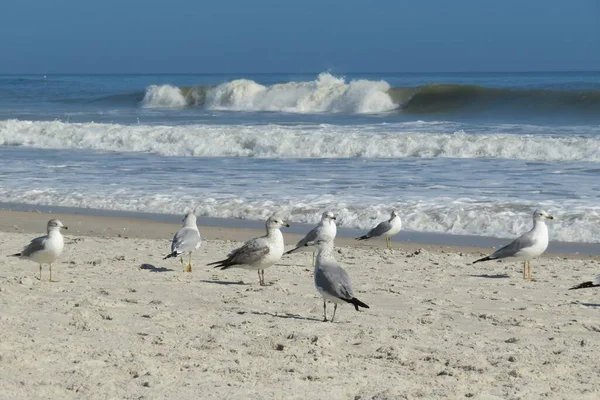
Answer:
(55, 225)
(276, 222)
(189, 219)
(328, 216)
(541, 215)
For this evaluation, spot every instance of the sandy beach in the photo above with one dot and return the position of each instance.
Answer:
(121, 323)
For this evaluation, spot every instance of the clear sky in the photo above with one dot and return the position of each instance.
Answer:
(133, 36)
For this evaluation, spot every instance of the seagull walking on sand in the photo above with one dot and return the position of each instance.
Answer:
(588, 284)
(331, 281)
(258, 253)
(526, 247)
(325, 230)
(45, 249)
(186, 240)
(386, 228)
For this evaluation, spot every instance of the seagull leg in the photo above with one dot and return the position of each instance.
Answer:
(51, 280)
(324, 310)
(524, 269)
(529, 276)
(334, 310)
(313, 264)
(189, 268)
(40, 272)
(262, 274)
(182, 266)
(389, 242)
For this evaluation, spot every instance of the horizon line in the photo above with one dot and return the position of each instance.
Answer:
(302, 73)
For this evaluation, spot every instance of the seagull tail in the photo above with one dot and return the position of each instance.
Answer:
(357, 303)
(363, 237)
(585, 285)
(488, 258)
(292, 250)
(173, 254)
(223, 264)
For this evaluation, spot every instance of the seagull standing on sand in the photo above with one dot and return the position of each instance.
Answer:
(589, 284)
(258, 253)
(331, 281)
(186, 240)
(386, 228)
(45, 249)
(325, 230)
(526, 247)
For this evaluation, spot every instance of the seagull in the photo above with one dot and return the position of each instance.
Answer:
(45, 249)
(589, 284)
(331, 281)
(258, 253)
(326, 229)
(386, 228)
(186, 240)
(526, 247)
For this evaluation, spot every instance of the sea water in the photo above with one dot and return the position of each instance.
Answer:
(462, 154)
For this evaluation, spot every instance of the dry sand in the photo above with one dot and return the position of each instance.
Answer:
(121, 323)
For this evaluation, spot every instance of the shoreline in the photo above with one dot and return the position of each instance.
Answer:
(25, 218)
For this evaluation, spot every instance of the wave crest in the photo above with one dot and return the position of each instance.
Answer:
(326, 94)
(308, 141)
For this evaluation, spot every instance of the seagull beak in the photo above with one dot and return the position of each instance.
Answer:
(549, 217)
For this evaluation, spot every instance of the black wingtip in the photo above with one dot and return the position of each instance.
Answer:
(357, 303)
(584, 285)
(482, 259)
(173, 254)
(15, 255)
(364, 237)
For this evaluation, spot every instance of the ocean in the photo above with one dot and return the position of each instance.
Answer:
(458, 154)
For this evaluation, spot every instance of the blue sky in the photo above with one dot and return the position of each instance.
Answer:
(131, 36)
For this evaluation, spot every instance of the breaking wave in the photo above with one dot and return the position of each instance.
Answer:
(417, 139)
(330, 94)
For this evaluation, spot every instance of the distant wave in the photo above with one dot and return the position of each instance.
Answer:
(417, 139)
(329, 94)
(326, 94)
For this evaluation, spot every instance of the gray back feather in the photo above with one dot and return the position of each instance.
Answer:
(333, 280)
(34, 246)
(310, 236)
(251, 252)
(380, 229)
(186, 239)
(514, 247)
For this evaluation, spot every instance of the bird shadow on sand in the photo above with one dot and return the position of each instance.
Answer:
(224, 282)
(284, 316)
(488, 276)
(152, 268)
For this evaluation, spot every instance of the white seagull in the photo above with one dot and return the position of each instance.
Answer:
(45, 249)
(325, 230)
(331, 281)
(526, 247)
(186, 240)
(258, 253)
(386, 228)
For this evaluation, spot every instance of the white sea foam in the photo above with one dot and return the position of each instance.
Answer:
(574, 221)
(309, 141)
(326, 94)
(163, 96)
